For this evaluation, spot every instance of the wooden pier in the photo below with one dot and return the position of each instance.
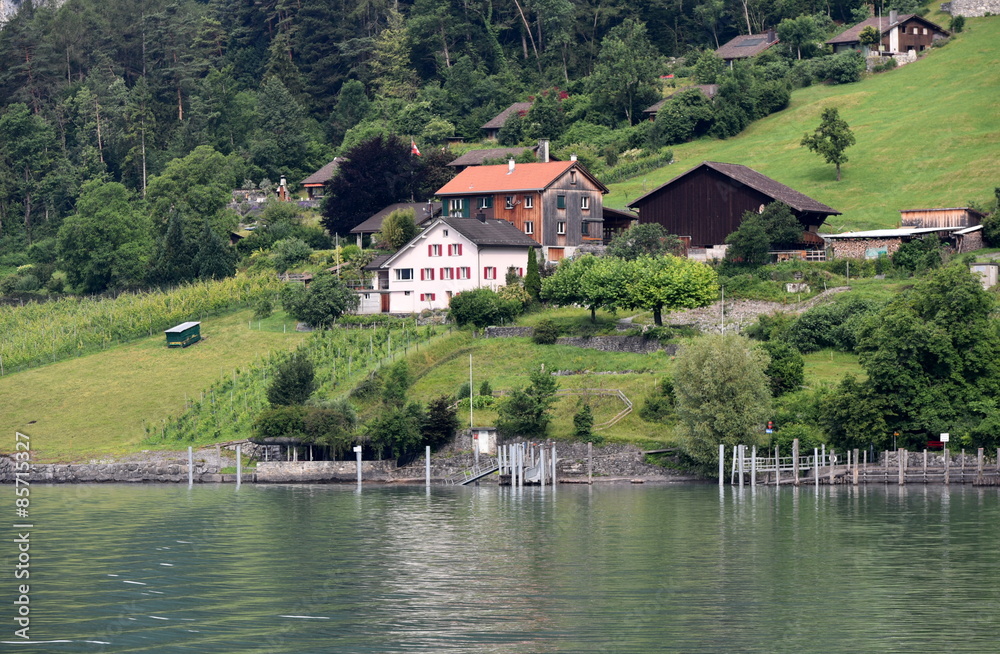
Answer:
(902, 467)
(518, 464)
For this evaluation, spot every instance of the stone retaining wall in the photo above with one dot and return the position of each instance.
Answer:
(508, 332)
(635, 344)
(65, 473)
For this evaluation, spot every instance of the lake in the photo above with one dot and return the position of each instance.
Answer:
(672, 568)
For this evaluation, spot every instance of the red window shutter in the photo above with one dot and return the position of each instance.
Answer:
(520, 272)
(422, 274)
(452, 273)
(459, 248)
(430, 271)
(430, 250)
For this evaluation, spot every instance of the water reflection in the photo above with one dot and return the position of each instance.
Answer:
(585, 569)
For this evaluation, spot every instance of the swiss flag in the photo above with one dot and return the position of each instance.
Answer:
(413, 148)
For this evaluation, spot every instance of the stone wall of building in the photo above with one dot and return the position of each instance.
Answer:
(844, 248)
(971, 8)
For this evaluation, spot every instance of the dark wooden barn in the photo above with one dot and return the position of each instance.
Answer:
(707, 203)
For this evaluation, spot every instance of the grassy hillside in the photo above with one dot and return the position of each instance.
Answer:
(97, 405)
(928, 135)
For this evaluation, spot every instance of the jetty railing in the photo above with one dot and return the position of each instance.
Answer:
(748, 466)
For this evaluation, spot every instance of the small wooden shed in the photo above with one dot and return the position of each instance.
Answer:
(183, 334)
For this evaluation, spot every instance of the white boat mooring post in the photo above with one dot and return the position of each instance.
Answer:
(357, 453)
(239, 465)
(427, 467)
(190, 466)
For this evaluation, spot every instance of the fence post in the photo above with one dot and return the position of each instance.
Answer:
(795, 461)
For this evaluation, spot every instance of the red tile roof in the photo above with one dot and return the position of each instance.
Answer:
(498, 179)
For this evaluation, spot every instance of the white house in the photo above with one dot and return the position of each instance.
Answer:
(451, 255)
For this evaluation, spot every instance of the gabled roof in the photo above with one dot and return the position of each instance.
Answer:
(477, 180)
(422, 212)
(707, 90)
(891, 233)
(324, 174)
(501, 118)
(477, 157)
(762, 183)
(482, 233)
(747, 45)
(881, 23)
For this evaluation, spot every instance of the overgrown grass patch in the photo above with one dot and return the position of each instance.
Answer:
(98, 404)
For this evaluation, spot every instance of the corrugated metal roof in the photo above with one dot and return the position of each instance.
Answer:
(499, 179)
(177, 329)
(890, 233)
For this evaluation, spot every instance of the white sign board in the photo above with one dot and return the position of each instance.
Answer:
(945, 437)
(357, 448)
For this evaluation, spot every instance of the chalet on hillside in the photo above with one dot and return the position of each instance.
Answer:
(423, 212)
(706, 204)
(746, 46)
(707, 90)
(493, 127)
(900, 34)
(558, 204)
(452, 254)
(314, 183)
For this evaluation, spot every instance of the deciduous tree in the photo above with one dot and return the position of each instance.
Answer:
(831, 139)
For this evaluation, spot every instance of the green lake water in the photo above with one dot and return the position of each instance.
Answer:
(684, 568)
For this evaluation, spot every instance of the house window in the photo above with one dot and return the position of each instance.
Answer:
(572, 177)
(447, 273)
(560, 202)
(427, 297)
(489, 272)
(426, 274)
(455, 207)
(434, 250)
(404, 274)
(455, 250)
(561, 227)
(529, 227)
(925, 31)
(529, 202)
(446, 232)
(585, 202)
(486, 202)
(509, 202)
(464, 272)
(585, 229)
(407, 293)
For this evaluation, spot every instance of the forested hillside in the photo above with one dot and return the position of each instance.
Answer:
(97, 93)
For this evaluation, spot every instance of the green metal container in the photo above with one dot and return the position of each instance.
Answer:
(183, 334)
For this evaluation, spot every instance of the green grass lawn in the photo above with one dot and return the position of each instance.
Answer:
(928, 135)
(830, 366)
(98, 404)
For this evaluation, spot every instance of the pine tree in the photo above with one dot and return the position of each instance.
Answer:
(532, 278)
(294, 381)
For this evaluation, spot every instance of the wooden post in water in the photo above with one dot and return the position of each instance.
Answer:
(541, 466)
(190, 466)
(795, 461)
(722, 461)
(739, 455)
(753, 467)
(590, 463)
(427, 466)
(357, 454)
(979, 467)
(947, 468)
(885, 469)
(899, 464)
(925, 465)
(855, 466)
(554, 459)
(777, 467)
(962, 468)
(832, 459)
(816, 467)
(239, 465)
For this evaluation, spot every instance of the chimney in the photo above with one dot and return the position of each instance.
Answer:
(481, 217)
(572, 157)
(510, 165)
(893, 17)
(543, 150)
(771, 36)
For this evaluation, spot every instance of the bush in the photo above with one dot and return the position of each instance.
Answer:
(482, 307)
(919, 255)
(280, 422)
(887, 63)
(294, 381)
(263, 308)
(659, 405)
(843, 68)
(785, 371)
(546, 332)
(955, 26)
(836, 325)
(583, 423)
(288, 252)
